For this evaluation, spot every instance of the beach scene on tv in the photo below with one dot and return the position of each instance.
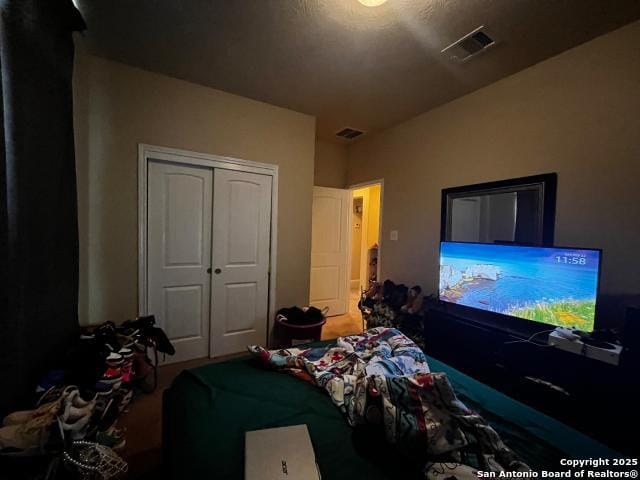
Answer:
(548, 285)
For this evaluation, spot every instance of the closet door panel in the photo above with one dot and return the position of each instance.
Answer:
(240, 248)
(179, 254)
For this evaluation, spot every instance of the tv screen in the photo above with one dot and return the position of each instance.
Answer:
(556, 286)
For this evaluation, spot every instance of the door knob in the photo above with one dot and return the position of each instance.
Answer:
(217, 271)
(209, 270)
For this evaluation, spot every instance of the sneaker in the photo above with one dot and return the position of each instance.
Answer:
(114, 359)
(127, 365)
(125, 353)
(112, 376)
(74, 406)
(75, 415)
(31, 435)
(103, 389)
(128, 337)
(106, 335)
(24, 416)
(75, 428)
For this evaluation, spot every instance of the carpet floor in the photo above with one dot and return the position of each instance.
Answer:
(347, 324)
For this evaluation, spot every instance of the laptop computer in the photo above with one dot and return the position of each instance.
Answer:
(283, 453)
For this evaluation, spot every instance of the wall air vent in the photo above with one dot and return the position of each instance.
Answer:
(472, 44)
(349, 133)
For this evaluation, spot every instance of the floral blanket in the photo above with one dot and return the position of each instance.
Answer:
(381, 377)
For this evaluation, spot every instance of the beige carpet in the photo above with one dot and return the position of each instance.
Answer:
(348, 324)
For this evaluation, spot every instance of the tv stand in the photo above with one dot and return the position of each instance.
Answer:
(590, 395)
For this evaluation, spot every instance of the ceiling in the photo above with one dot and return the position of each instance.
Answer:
(349, 65)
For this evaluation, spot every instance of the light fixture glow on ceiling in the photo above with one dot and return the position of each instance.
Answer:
(372, 3)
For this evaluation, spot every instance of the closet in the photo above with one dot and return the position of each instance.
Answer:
(207, 246)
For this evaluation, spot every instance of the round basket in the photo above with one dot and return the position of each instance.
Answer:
(290, 334)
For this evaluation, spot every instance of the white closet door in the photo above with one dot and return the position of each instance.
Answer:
(240, 280)
(330, 239)
(179, 255)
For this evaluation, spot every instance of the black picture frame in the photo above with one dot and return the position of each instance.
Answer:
(549, 182)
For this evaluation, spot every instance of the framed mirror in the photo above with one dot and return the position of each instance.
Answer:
(519, 211)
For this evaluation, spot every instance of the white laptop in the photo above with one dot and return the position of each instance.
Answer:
(283, 453)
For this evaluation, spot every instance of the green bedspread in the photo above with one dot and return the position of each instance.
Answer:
(208, 409)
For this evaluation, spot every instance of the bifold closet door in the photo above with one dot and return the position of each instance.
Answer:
(179, 254)
(240, 260)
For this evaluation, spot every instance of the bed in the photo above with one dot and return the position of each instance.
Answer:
(207, 410)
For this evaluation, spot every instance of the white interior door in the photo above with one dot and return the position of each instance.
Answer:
(330, 249)
(179, 254)
(241, 244)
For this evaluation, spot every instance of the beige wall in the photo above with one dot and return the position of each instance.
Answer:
(330, 165)
(576, 114)
(118, 107)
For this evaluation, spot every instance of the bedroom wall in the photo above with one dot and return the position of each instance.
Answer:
(330, 168)
(575, 114)
(117, 107)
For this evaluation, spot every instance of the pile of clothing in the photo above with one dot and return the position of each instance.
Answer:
(300, 316)
(295, 325)
(394, 306)
(381, 378)
(83, 397)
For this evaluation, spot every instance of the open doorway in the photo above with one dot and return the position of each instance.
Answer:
(366, 211)
(345, 252)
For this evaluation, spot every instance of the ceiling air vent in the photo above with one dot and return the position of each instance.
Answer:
(470, 45)
(349, 133)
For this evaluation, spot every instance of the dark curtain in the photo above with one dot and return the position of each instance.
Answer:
(38, 204)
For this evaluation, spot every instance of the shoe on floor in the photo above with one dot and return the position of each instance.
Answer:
(31, 435)
(74, 406)
(114, 360)
(52, 401)
(75, 428)
(16, 418)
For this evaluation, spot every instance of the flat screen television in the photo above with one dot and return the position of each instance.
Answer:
(550, 285)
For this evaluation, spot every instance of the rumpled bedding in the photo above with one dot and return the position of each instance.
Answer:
(382, 378)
